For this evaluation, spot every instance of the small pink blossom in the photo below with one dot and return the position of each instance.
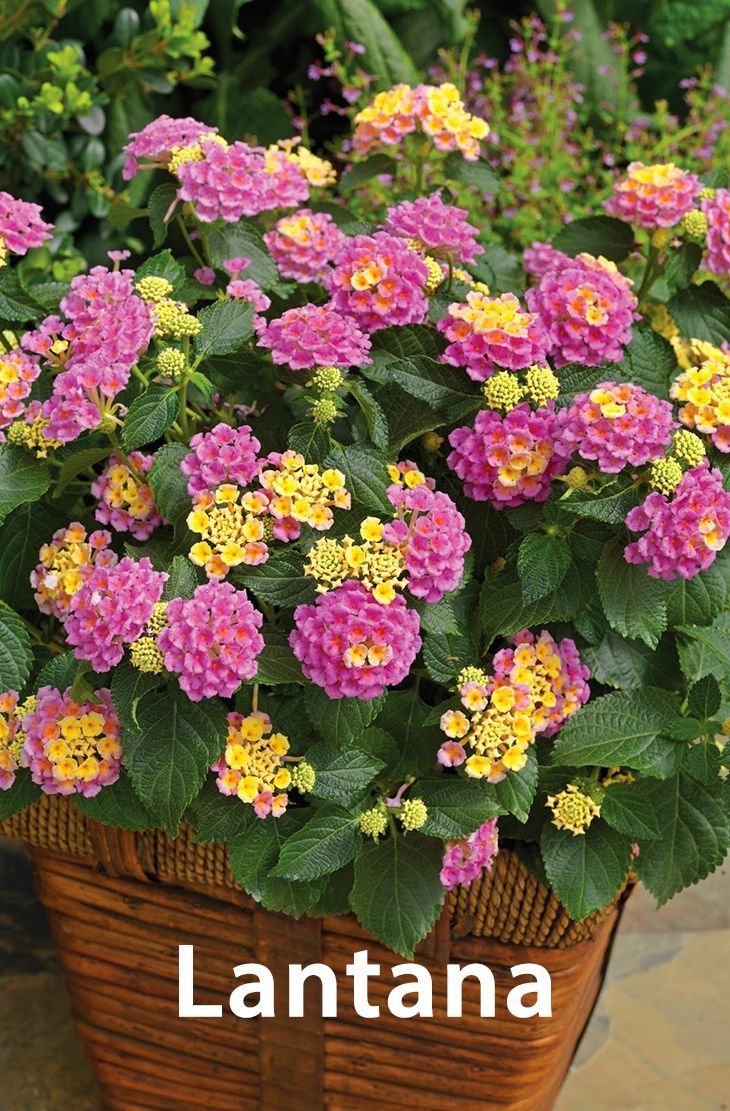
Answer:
(717, 211)
(443, 229)
(304, 244)
(379, 281)
(619, 425)
(154, 144)
(465, 860)
(21, 226)
(222, 455)
(315, 335)
(486, 333)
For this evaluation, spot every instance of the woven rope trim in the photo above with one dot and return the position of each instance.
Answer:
(508, 903)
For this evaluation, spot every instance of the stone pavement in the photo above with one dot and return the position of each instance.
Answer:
(658, 1039)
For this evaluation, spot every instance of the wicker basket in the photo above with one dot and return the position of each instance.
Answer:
(120, 904)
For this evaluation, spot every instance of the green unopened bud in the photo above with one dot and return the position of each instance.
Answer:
(303, 776)
(327, 378)
(665, 475)
(374, 822)
(324, 411)
(694, 224)
(503, 391)
(577, 478)
(413, 814)
(170, 362)
(471, 675)
(153, 289)
(688, 448)
(707, 193)
(431, 442)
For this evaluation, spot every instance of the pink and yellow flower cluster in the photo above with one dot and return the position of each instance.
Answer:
(435, 110)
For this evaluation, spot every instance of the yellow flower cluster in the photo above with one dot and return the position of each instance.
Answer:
(143, 652)
(153, 289)
(436, 110)
(318, 171)
(59, 574)
(297, 489)
(30, 436)
(705, 391)
(374, 562)
(572, 809)
(252, 766)
(232, 529)
(12, 735)
(172, 319)
(83, 748)
(193, 152)
(500, 730)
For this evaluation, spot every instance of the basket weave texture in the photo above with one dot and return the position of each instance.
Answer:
(121, 903)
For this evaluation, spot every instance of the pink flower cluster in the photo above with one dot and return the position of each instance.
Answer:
(465, 860)
(21, 226)
(111, 609)
(433, 534)
(351, 645)
(239, 180)
(485, 333)
(313, 336)
(568, 688)
(72, 747)
(224, 454)
(510, 459)
(683, 533)
(586, 308)
(655, 196)
(304, 244)
(155, 142)
(126, 502)
(618, 425)
(443, 229)
(212, 640)
(17, 373)
(717, 211)
(64, 565)
(379, 281)
(540, 257)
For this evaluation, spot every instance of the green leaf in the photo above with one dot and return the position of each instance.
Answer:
(630, 664)
(335, 897)
(445, 388)
(503, 610)
(633, 603)
(360, 172)
(340, 720)
(23, 478)
(597, 235)
(628, 808)
(219, 818)
(128, 687)
(456, 806)
(403, 716)
(326, 842)
(227, 326)
(21, 537)
(117, 806)
(621, 728)
(375, 418)
(542, 564)
(681, 266)
(361, 21)
(609, 505)
(697, 601)
(499, 269)
(277, 663)
(22, 794)
(704, 698)
(366, 476)
(702, 312)
(585, 871)
(516, 792)
(397, 895)
(694, 835)
(76, 464)
(169, 484)
(707, 651)
(182, 581)
(479, 174)
(149, 416)
(169, 758)
(244, 239)
(703, 762)
(17, 304)
(281, 580)
(60, 672)
(254, 853)
(649, 361)
(310, 440)
(16, 654)
(342, 775)
(159, 204)
(162, 265)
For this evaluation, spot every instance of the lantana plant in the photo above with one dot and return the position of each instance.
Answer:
(315, 541)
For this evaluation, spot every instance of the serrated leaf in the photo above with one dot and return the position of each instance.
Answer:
(503, 610)
(621, 728)
(704, 698)
(158, 206)
(479, 174)
(342, 775)
(585, 871)
(361, 21)
(403, 716)
(60, 672)
(219, 818)
(341, 720)
(681, 266)
(22, 535)
(77, 463)
(16, 302)
(162, 265)
(22, 794)
(310, 440)
(117, 806)
(227, 326)
(169, 484)
(694, 835)
(633, 603)
(456, 806)
(128, 687)
(610, 505)
(252, 856)
(276, 662)
(360, 172)
(281, 580)
(445, 654)
(628, 808)
(702, 312)
(366, 476)
(707, 649)
(326, 842)
(16, 654)
(703, 762)
(445, 388)
(649, 361)
(697, 601)
(596, 235)
(23, 478)
(631, 664)
(244, 239)
(499, 269)
(182, 581)
(516, 792)
(375, 418)
(542, 564)
(397, 895)
(169, 758)
(149, 416)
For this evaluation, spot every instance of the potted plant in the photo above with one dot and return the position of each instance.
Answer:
(357, 596)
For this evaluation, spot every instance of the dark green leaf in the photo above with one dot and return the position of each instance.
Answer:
(169, 485)
(340, 720)
(403, 717)
(162, 265)
(128, 686)
(360, 172)
(22, 794)
(707, 649)
(586, 871)
(23, 478)
(704, 698)
(281, 580)
(117, 806)
(542, 564)
(217, 817)
(30, 526)
(16, 654)
(227, 326)
(375, 418)
(244, 239)
(596, 235)
(702, 312)
(622, 728)
(254, 853)
(342, 774)
(628, 808)
(277, 663)
(310, 440)
(326, 842)
(149, 416)
(634, 604)
(681, 266)
(631, 664)
(479, 174)
(16, 302)
(516, 792)
(456, 806)
(158, 206)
